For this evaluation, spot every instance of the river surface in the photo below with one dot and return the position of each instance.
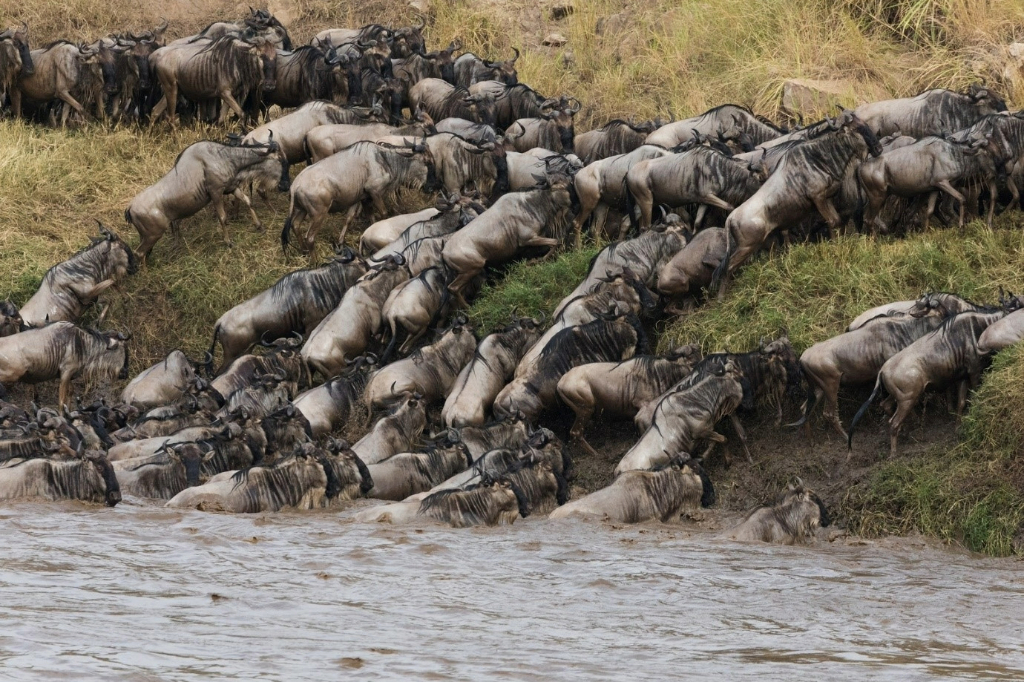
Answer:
(143, 593)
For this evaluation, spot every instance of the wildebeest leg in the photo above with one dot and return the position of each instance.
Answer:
(542, 241)
(597, 225)
(903, 408)
(226, 98)
(698, 219)
(72, 102)
(350, 215)
(827, 211)
(222, 216)
(961, 398)
(243, 197)
(742, 434)
(715, 201)
(95, 291)
(992, 196)
(378, 206)
(1014, 192)
(459, 283)
(65, 389)
(103, 313)
(410, 341)
(951, 191)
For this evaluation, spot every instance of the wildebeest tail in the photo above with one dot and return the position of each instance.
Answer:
(808, 406)
(366, 485)
(707, 496)
(213, 346)
(286, 231)
(879, 386)
(634, 220)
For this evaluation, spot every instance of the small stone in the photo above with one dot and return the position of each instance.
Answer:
(568, 59)
(554, 40)
(421, 6)
(612, 24)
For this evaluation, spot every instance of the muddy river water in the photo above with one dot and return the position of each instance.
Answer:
(143, 593)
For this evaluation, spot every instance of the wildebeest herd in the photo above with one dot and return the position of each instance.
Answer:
(375, 337)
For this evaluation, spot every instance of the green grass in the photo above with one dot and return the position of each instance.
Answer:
(530, 288)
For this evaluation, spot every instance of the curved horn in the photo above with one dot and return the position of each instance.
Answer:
(516, 58)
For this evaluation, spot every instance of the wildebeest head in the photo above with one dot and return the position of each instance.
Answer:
(191, 457)
(103, 53)
(504, 72)
(10, 319)
(561, 112)
(985, 100)
(121, 257)
(782, 359)
(140, 51)
(445, 60)
(481, 108)
(105, 473)
(18, 39)
(847, 123)
(707, 497)
(265, 51)
(806, 502)
(408, 40)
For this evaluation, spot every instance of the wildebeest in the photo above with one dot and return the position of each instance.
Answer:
(532, 169)
(601, 186)
(644, 256)
(515, 221)
(509, 432)
(728, 120)
(328, 406)
(946, 355)
(463, 165)
(162, 384)
(641, 495)
(206, 172)
(599, 341)
(227, 68)
(415, 67)
(290, 130)
(383, 232)
(492, 366)
(622, 294)
(1002, 333)
(470, 69)
(553, 129)
(344, 180)
(408, 473)
(934, 112)
(259, 22)
(63, 350)
(71, 286)
(428, 372)
(613, 138)
(413, 307)
(797, 514)
(309, 73)
(89, 478)
(345, 332)
(15, 59)
(490, 503)
(933, 303)
(807, 179)
(458, 213)
(443, 100)
(394, 433)
(511, 102)
(928, 166)
(855, 358)
(701, 175)
(294, 305)
(311, 478)
(620, 389)
(480, 133)
(327, 140)
(693, 267)
(682, 418)
(55, 71)
(163, 475)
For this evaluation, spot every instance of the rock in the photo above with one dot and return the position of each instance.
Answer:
(554, 40)
(612, 24)
(568, 59)
(421, 6)
(562, 10)
(807, 97)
